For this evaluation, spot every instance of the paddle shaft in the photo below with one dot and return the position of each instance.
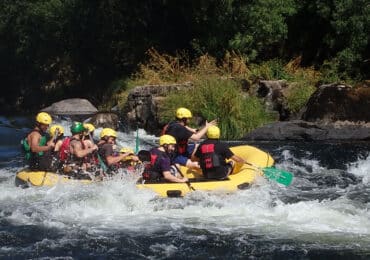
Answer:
(54, 140)
(137, 141)
(101, 162)
(188, 182)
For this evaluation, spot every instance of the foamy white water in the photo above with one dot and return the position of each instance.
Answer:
(311, 212)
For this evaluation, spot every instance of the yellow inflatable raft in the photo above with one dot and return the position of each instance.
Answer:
(28, 177)
(242, 177)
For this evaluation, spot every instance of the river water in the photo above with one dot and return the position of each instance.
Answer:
(324, 213)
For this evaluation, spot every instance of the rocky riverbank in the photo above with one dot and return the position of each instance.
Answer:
(333, 112)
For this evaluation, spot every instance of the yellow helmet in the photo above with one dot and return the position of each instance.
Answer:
(54, 128)
(126, 150)
(89, 127)
(183, 113)
(108, 132)
(167, 139)
(213, 132)
(43, 118)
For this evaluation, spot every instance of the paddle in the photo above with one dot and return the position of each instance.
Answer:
(101, 162)
(188, 182)
(274, 174)
(137, 141)
(54, 140)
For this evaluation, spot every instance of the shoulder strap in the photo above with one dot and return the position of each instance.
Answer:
(167, 127)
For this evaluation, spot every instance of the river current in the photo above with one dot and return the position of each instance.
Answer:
(324, 213)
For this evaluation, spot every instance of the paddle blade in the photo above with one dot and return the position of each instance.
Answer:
(277, 175)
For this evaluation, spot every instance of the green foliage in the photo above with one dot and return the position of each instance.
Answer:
(298, 96)
(54, 49)
(219, 99)
(351, 24)
(270, 70)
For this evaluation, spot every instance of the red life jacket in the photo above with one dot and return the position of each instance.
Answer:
(64, 152)
(209, 159)
(150, 172)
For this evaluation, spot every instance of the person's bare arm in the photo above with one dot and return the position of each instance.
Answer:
(80, 152)
(168, 176)
(199, 134)
(34, 140)
(115, 159)
(237, 159)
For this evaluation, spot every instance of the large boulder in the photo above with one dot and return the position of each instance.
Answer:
(273, 93)
(142, 105)
(300, 130)
(70, 107)
(341, 102)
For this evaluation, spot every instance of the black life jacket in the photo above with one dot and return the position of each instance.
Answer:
(151, 170)
(209, 159)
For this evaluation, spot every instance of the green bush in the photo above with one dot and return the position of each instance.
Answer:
(270, 70)
(299, 95)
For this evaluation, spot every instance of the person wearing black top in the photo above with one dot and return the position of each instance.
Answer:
(212, 155)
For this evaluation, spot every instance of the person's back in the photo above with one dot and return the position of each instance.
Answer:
(212, 155)
(78, 150)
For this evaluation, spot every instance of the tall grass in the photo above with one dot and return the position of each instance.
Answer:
(303, 84)
(215, 93)
(212, 98)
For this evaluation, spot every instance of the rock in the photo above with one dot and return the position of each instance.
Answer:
(300, 130)
(72, 106)
(105, 119)
(330, 103)
(274, 97)
(142, 106)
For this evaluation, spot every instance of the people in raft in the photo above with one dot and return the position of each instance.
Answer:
(110, 158)
(180, 130)
(212, 155)
(160, 166)
(36, 146)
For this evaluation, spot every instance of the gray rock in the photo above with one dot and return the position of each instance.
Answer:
(142, 106)
(308, 131)
(330, 103)
(105, 119)
(72, 106)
